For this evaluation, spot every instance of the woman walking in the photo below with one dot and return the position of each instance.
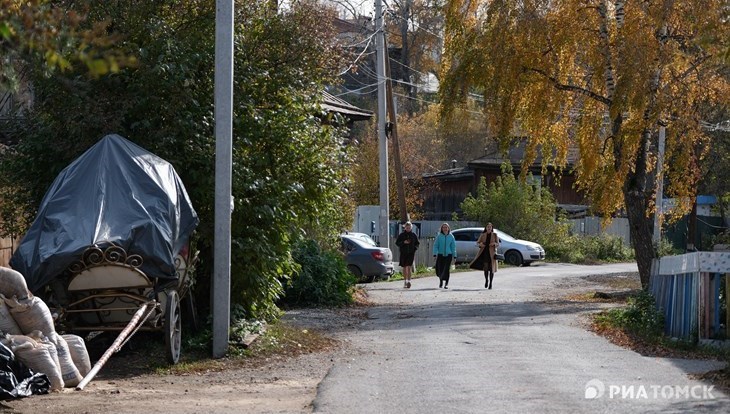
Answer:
(444, 249)
(486, 259)
(407, 243)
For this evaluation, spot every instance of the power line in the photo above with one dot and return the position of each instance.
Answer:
(361, 42)
(406, 66)
(357, 58)
(392, 13)
(434, 103)
(356, 91)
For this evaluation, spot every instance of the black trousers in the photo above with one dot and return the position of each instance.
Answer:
(443, 267)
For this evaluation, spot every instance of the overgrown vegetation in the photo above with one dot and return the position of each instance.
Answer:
(640, 318)
(524, 211)
(322, 278)
(588, 249)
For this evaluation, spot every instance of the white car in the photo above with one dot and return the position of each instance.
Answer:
(515, 251)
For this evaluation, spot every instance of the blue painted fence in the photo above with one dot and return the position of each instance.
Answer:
(687, 291)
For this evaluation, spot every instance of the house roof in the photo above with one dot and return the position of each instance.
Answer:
(334, 104)
(451, 174)
(515, 155)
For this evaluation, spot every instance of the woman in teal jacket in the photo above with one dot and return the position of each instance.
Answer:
(444, 249)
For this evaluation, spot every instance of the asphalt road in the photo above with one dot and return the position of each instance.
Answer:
(472, 350)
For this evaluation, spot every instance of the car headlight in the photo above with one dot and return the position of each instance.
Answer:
(533, 249)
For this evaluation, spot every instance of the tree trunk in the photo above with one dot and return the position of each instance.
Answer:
(641, 230)
(638, 190)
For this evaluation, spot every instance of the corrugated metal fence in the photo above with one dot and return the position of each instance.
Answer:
(687, 291)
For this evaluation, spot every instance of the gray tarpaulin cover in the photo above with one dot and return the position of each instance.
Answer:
(114, 192)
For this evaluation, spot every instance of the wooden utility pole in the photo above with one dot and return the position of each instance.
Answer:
(394, 137)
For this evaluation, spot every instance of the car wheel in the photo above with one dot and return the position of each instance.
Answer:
(513, 257)
(357, 272)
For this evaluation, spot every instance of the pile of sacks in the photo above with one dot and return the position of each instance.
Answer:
(26, 328)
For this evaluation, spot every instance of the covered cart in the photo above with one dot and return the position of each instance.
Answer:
(109, 248)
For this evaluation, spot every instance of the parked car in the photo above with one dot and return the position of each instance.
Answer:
(513, 251)
(365, 259)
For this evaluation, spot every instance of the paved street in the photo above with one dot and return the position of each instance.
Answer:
(472, 350)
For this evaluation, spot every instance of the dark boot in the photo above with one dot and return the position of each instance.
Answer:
(491, 277)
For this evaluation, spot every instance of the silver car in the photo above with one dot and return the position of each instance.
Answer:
(515, 251)
(365, 259)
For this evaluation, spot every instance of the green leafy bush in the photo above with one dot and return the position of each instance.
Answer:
(640, 317)
(322, 279)
(529, 213)
(517, 208)
(666, 248)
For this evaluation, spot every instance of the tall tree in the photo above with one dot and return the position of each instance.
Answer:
(599, 76)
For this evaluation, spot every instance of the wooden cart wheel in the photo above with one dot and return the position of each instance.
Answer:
(173, 333)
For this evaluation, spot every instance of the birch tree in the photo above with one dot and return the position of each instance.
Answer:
(598, 76)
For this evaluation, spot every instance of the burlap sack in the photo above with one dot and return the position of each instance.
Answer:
(31, 314)
(79, 353)
(12, 283)
(38, 356)
(69, 372)
(7, 323)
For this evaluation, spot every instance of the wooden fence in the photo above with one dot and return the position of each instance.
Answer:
(687, 289)
(7, 247)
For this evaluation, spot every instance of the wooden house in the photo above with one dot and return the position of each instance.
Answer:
(445, 190)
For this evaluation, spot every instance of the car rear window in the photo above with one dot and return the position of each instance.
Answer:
(358, 241)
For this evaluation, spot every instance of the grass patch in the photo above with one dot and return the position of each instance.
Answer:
(279, 340)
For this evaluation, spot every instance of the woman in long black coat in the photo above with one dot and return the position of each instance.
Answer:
(408, 243)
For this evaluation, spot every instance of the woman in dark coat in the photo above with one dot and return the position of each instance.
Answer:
(486, 259)
(407, 242)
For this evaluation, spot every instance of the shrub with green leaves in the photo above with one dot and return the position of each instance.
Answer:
(640, 317)
(322, 279)
(516, 207)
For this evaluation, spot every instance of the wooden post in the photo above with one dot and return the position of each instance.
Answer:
(116, 346)
(394, 136)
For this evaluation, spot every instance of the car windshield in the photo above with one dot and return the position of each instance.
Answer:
(504, 236)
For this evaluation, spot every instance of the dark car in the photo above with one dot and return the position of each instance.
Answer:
(365, 259)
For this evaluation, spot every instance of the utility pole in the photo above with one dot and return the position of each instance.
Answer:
(381, 56)
(396, 143)
(221, 286)
(659, 189)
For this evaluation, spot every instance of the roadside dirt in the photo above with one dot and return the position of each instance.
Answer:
(280, 374)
